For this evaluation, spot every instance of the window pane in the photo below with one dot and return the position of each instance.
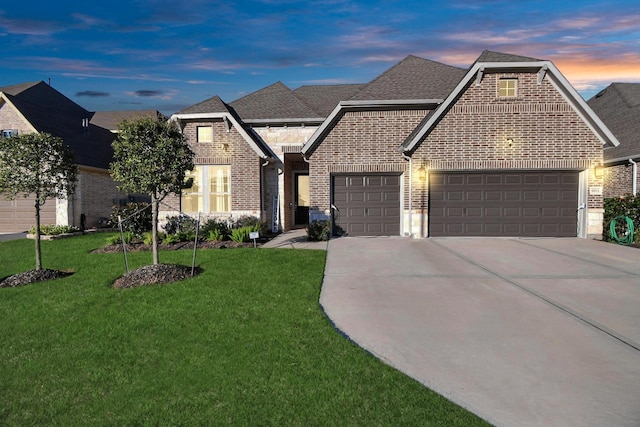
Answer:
(205, 134)
(219, 188)
(508, 88)
(192, 200)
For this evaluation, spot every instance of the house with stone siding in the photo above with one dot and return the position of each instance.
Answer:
(506, 147)
(618, 105)
(38, 107)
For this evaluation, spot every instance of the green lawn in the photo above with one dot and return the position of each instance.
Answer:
(244, 343)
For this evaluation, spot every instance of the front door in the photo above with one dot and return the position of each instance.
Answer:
(301, 199)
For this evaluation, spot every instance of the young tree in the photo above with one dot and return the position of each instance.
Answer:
(39, 164)
(151, 156)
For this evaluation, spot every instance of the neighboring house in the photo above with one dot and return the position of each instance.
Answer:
(504, 148)
(37, 107)
(618, 105)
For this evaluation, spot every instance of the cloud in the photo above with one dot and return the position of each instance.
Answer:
(149, 93)
(92, 94)
(29, 27)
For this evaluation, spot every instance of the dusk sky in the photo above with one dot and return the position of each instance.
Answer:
(168, 55)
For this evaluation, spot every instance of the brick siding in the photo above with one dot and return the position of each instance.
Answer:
(618, 180)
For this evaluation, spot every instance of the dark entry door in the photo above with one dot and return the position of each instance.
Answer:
(301, 199)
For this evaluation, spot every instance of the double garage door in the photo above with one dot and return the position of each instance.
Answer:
(514, 204)
(527, 204)
(18, 215)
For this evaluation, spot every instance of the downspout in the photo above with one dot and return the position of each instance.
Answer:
(635, 176)
(407, 158)
(263, 188)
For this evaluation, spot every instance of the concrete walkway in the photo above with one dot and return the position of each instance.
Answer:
(294, 239)
(12, 236)
(522, 332)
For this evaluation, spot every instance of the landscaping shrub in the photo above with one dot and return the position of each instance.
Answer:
(183, 224)
(215, 236)
(219, 228)
(54, 230)
(128, 238)
(241, 234)
(627, 205)
(137, 215)
(319, 230)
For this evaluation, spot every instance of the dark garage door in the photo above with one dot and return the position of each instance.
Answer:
(535, 204)
(368, 205)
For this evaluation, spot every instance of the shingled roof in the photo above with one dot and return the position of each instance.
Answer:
(324, 98)
(211, 105)
(47, 110)
(112, 119)
(490, 56)
(276, 101)
(618, 106)
(413, 78)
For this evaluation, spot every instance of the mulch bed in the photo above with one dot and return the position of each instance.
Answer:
(154, 274)
(32, 276)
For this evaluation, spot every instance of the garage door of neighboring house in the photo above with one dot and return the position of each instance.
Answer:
(531, 204)
(367, 204)
(18, 215)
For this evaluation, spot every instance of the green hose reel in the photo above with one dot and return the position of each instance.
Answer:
(627, 237)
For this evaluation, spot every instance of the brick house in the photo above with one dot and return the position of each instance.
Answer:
(506, 147)
(618, 105)
(38, 107)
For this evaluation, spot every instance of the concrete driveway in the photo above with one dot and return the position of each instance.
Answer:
(522, 332)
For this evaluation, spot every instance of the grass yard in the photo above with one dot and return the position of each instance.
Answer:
(244, 343)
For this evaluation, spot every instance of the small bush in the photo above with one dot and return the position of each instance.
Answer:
(319, 230)
(220, 227)
(180, 224)
(136, 217)
(54, 230)
(170, 238)
(147, 238)
(115, 240)
(241, 234)
(215, 236)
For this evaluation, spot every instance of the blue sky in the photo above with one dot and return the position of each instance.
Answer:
(168, 55)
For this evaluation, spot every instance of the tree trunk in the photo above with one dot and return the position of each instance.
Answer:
(155, 207)
(37, 239)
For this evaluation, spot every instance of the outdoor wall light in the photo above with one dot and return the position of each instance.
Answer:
(422, 174)
(225, 146)
(598, 171)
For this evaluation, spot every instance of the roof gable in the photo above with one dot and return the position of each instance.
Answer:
(544, 69)
(47, 110)
(412, 78)
(618, 105)
(276, 101)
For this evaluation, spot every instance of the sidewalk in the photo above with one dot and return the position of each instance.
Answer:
(294, 239)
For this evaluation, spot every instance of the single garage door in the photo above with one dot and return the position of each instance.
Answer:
(367, 205)
(18, 215)
(532, 204)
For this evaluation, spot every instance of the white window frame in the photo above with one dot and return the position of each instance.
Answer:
(508, 91)
(203, 175)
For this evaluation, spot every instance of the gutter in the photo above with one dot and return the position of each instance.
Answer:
(635, 177)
